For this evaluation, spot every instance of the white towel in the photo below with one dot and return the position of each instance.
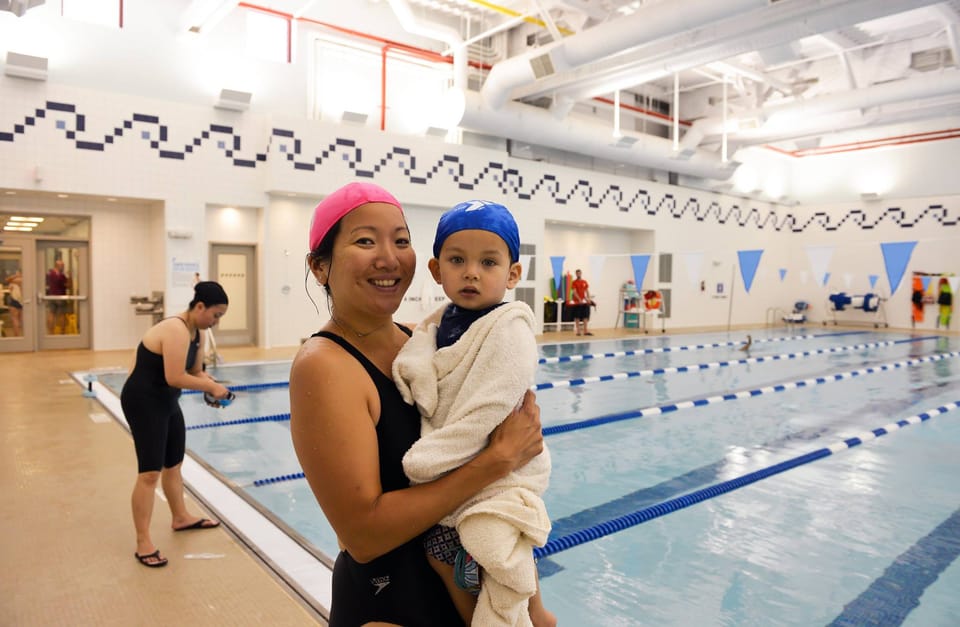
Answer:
(463, 392)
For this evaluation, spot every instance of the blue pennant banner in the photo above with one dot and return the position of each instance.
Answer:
(639, 269)
(896, 256)
(557, 263)
(749, 260)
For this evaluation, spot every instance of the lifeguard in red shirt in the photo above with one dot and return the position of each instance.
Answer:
(581, 302)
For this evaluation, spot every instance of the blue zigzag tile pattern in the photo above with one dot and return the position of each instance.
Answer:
(509, 180)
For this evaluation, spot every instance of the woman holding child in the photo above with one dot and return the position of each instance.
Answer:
(351, 428)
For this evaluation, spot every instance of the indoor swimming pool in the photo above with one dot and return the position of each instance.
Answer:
(808, 480)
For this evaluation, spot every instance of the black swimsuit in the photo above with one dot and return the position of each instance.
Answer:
(399, 587)
(152, 410)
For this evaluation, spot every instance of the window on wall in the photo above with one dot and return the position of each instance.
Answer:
(103, 12)
(348, 80)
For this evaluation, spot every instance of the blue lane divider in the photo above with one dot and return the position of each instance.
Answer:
(732, 396)
(660, 409)
(620, 376)
(657, 409)
(246, 387)
(241, 421)
(689, 347)
(268, 480)
(660, 509)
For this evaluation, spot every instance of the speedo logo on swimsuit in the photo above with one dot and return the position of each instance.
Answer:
(380, 583)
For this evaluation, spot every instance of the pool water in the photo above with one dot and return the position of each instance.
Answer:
(857, 536)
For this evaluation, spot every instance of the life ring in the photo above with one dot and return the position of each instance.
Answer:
(651, 300)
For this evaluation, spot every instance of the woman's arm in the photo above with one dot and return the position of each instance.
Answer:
(333, 409)
(174, 340)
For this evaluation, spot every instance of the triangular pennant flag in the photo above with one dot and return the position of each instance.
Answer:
(826, 277)
(639, 269)
(557, 263)
(596, 268)
(873, 280)
(819, 257)
(749, 260)
(954, 281)
(783, 274)
(694, 263)
(925, 280)
(803, 277)
(896, 256)
(848, 279)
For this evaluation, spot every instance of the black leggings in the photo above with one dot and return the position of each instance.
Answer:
(159, 432)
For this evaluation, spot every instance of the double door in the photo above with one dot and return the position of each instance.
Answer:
(44, 294)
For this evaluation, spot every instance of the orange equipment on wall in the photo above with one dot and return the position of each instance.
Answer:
(916, 298)
(652, 299)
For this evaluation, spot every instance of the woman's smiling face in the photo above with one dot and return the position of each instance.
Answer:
(373, 262)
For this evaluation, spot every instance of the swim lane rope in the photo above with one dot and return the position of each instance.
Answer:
(688, 347)
(671, 505)
(620, 376)
(657, 409)
(732, 396)
(582, 357)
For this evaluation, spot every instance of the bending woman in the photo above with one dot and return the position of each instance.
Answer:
(167, 363)
(351, 428)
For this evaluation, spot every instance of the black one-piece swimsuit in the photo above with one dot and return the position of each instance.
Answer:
(399, 587)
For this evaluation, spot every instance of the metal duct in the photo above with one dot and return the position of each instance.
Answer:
(803, 115)
(612, 37)
(439, 32)
(579, 134)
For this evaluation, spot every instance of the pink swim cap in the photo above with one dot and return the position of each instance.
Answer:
(342, 202)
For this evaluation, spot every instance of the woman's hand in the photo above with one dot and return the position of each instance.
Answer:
(219, 391)
(519, 438)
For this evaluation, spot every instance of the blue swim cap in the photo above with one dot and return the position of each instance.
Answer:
(482, 215)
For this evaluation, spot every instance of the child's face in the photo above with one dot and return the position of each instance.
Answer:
(474, 269)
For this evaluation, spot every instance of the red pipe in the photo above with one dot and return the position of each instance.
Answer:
(901, 140)
(654, 114)
(383, 87)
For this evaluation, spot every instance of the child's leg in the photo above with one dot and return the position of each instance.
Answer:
(442, 545)
(540, 616)
(462, 600)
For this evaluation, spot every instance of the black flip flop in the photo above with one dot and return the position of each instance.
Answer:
(200, 524)
(144, 559)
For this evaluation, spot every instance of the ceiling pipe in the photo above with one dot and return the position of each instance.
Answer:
(651, 23)
(580, 134)
(777, 23)
(805, 116)
(439, 32)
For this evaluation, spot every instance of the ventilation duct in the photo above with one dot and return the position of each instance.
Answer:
(579, 134)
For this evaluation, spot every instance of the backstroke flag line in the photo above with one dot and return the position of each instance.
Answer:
(639, 269)
(749, 260)
(896, 256)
